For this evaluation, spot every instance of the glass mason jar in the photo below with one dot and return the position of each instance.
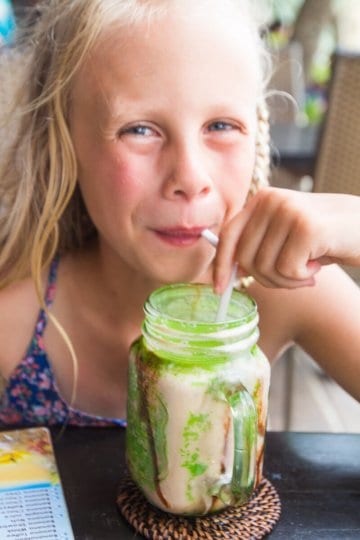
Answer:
(197, 401)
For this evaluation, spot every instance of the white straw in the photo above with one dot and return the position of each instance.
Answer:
(226, 296)
(210, 237)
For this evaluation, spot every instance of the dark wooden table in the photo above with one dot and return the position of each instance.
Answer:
(317, 477)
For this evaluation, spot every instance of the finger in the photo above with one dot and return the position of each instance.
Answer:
(294, 259)
(224, 259)
(250, 241)
(325, 260)
(262, 238)
(263, 267)
(265, 259)
(283, 283)
(278, 281)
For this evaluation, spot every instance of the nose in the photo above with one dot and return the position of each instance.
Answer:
(188, 174)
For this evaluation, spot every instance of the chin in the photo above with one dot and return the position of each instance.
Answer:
(168, 276)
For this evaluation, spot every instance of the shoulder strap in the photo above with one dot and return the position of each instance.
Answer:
(51, 282)
(49, 296)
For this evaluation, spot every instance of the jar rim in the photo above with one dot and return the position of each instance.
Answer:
(166, 301)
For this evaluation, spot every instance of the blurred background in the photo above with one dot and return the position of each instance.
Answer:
(315, 45)
(307, 33)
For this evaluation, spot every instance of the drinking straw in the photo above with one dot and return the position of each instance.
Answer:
(210, 237)
(226, 296)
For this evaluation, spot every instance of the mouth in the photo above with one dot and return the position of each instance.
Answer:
(180, 237)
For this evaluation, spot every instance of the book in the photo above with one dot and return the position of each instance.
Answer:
(32, 502)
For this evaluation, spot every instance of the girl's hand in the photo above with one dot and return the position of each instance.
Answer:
(282, 237)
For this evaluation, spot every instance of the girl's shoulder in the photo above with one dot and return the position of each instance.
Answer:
(19, 309)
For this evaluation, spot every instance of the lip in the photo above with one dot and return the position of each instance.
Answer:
(180, 236)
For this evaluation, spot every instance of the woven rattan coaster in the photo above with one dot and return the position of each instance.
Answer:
(251, 521)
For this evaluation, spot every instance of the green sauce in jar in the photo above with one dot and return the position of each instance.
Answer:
(197, 401)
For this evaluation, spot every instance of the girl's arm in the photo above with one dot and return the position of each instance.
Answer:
(283, 237)
(324, 320)
(330, 327)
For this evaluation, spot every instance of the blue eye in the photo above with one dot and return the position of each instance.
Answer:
(143, 131)
(221, 126)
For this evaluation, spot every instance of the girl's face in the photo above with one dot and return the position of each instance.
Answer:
(164, 123)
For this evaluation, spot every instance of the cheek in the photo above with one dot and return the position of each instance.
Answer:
(124, 180)
(133, 184)
(239, 171)
(113, 192)
(114, 180)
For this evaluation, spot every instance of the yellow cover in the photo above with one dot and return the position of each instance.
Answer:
(27, 459)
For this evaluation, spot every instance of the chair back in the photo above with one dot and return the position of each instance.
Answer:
(337, 167)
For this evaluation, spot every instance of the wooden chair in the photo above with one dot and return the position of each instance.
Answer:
(337, 166)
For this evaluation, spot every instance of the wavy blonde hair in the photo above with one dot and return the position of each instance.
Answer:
(42, 210)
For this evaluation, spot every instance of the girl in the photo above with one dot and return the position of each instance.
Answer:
(144, 124)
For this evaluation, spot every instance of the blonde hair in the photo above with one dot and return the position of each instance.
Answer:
(41, 206)
(42, 211)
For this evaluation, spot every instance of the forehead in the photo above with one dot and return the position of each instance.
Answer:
(207, 43)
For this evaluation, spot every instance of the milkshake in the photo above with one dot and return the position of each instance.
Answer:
(197, 401)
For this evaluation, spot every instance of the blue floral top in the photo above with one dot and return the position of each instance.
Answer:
(31, 396)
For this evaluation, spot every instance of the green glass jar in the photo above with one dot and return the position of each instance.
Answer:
(197, 401)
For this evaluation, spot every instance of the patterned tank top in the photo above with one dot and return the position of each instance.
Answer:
(31, 395)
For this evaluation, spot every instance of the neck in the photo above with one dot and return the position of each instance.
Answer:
(109, 286)
(112, 288)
